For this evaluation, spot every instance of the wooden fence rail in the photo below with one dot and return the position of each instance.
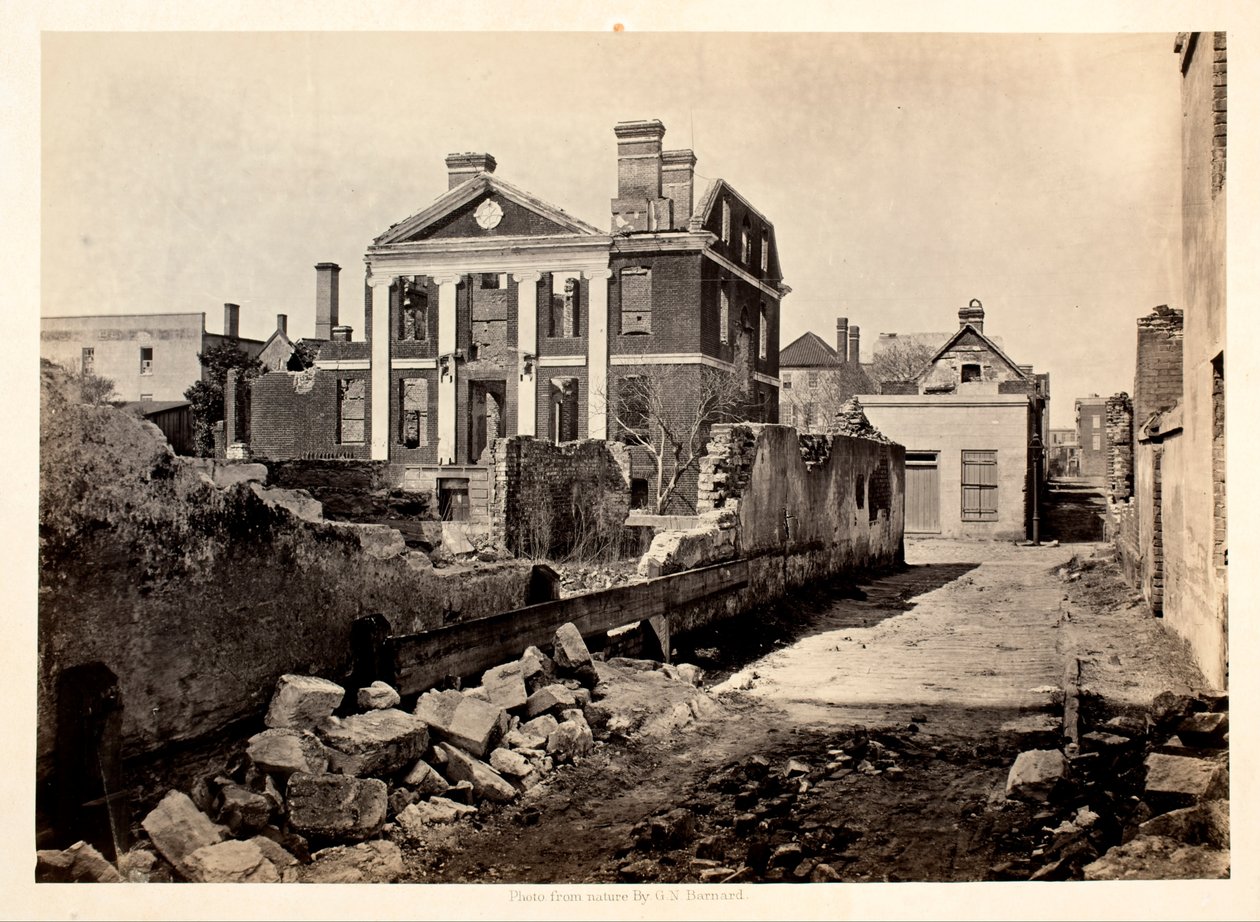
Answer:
(423, 660)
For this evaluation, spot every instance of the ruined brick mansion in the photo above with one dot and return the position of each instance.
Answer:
(492, 313)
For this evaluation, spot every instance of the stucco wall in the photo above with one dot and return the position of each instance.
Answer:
(787, 504)
(951, 424)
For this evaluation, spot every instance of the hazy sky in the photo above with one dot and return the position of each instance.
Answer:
(904, 173)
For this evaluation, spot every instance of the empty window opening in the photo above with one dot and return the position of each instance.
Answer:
(350, 410)
(979, 486)
(564, 409)
(566, 309)
(970, 373)
(87, 360)
(765, 252)
(146, 360)
(726, 222)
(632, 408)
(763, 333)
(414, 319)
(491, 280)
(745, 243)
(453, 499)
(638, 493)
(413, 402)
(636, 301)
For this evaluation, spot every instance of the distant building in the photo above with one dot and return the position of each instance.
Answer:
(1063, 454)
(492, 313)
(967, 422)
(816, 379)
(147, 356)
(1091, 436)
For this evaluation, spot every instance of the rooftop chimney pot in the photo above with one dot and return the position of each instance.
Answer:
(462, 167)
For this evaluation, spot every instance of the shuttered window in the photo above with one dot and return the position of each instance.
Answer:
(979, 486)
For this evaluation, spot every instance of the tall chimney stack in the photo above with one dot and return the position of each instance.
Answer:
(282, 323)
(232, 320)
(678, 170)
(972, 314)
(327, 298)
(463, 167)
(842, 338)
(639, 205)
(855, 345)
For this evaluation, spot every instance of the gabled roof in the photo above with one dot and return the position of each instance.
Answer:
(704, 208)
(958, 334)
(469, 190)
(807, 350)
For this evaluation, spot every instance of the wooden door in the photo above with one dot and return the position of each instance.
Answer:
(923, 492)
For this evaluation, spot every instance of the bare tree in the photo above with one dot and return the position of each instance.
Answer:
(901, 359)
(668, 410)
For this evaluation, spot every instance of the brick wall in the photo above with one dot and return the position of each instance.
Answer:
(294, 415)
(548, 500)
(1120, 447)
(1157, 382)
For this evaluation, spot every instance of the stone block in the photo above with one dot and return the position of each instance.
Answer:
(80, 863)
(487, 784)
(377, 697)
(177, 829)
(376, 862)
(540, 726)
(510, 764)
(302, 702)
(519, 739)
(537, 669)
(283, 752)
(1159, 858)
(243, 811)
(570, 740)
(417, 817)
(1035, 774)
(337, 806)
(232, 862)
(472, 724)
(549, 698)
(505, 685)
(1182, 781)
(1205, 730)
(570, 653)
(692, 675)
(425, 780)
(286, 864)
(1204, 824)
(376, 743)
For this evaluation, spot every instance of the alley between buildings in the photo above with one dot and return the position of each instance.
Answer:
(873, 742)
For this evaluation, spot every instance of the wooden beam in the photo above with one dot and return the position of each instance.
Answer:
(425, 659)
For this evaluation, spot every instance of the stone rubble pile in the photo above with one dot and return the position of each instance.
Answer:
(1139, 798)
(329, 799)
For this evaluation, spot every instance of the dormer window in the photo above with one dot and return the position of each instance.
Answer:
(765, 252)
(726, 222)
(745, 243)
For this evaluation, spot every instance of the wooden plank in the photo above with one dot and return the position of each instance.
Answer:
(425, 659)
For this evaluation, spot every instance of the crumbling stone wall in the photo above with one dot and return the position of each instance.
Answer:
(199, 597)
(553, 500)
(787, 504)
(1119, 422)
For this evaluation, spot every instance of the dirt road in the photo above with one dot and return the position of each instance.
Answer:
(903, 701)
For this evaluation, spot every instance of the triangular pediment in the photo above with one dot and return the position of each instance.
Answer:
(968, 337)
(486, 207)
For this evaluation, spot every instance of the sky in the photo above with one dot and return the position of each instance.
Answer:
(904, 173)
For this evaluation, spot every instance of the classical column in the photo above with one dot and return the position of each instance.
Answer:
(446, 368)
(597, 395)
(527, 347)
(382, 329)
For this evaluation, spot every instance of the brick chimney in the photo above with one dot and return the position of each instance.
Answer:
(842, 338)
(972, 314)
(678, 169)
(327, 291)
(855, 344)
(282, 323)
(639, 205)
(463, 167)
(342, 334)
(232, 320)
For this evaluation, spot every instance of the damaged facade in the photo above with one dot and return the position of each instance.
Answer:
(967, 422)
(1171, 534)
(492, 313)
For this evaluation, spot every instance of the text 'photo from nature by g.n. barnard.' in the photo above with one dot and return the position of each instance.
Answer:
(466, 459)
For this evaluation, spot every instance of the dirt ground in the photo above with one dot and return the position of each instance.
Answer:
(863, 734)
